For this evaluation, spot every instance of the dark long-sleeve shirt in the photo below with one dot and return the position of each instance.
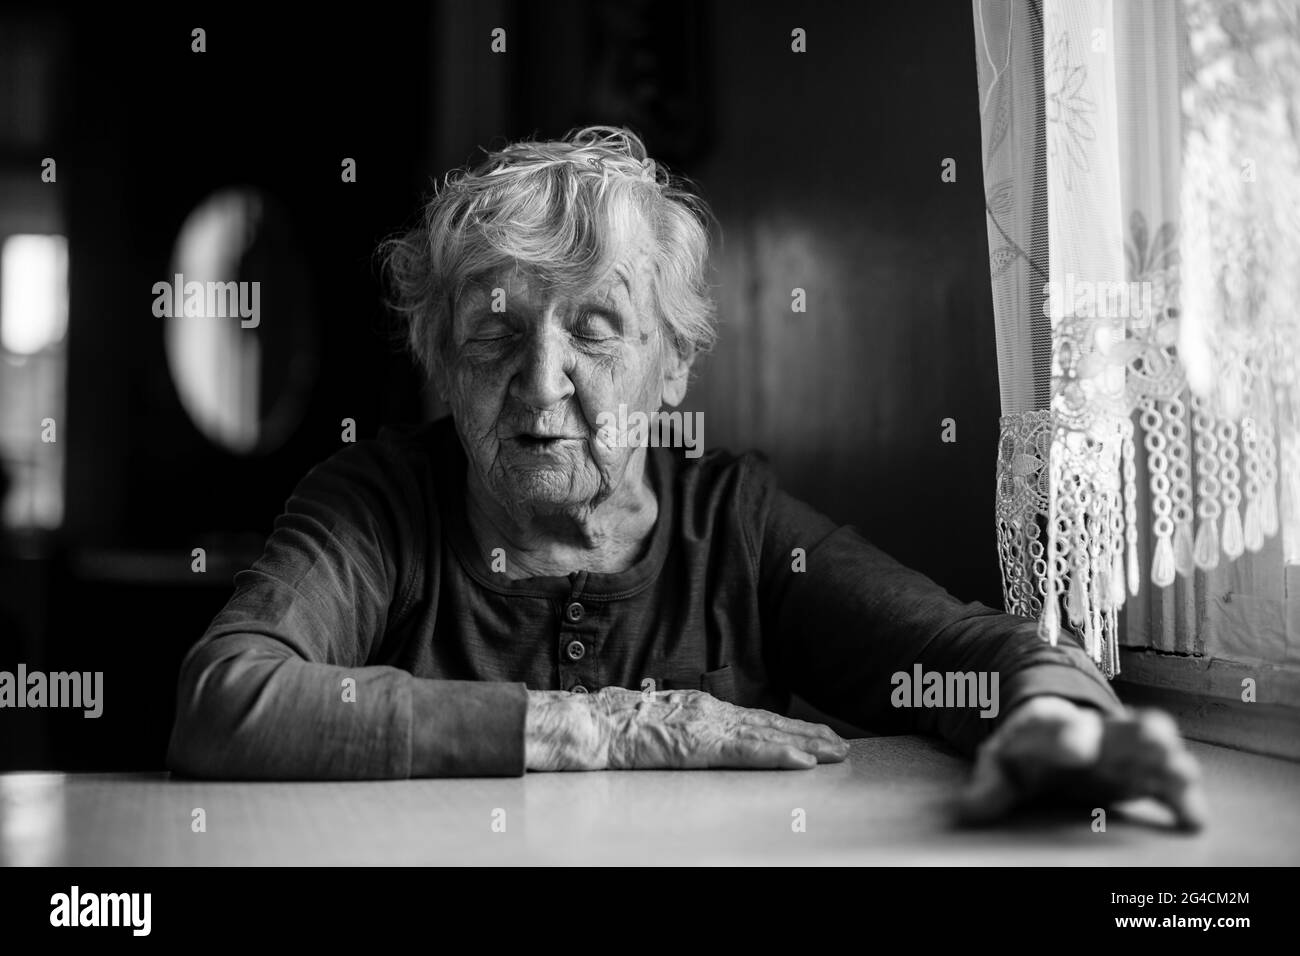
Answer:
(376, 638)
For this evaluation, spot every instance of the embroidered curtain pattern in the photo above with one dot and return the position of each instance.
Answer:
(1142, 180)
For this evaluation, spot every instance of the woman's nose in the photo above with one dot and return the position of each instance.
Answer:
(543, 380)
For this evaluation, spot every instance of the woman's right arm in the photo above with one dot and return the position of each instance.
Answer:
(279, 688)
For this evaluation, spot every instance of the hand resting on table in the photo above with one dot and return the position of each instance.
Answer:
(1048, 748)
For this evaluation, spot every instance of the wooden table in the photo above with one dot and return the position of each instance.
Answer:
(885, 805)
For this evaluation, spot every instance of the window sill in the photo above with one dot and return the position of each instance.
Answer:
(1205, 696)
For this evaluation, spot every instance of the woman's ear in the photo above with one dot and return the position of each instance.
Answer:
(438, 377)
(677, 372)
(439, 364)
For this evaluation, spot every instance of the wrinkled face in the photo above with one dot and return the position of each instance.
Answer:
(531, 369)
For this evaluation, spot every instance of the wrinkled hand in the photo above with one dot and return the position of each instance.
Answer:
(1050, 748)
(621, 729)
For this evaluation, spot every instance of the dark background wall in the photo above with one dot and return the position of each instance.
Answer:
(823, 169)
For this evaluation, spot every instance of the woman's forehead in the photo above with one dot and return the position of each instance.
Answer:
(621, 282)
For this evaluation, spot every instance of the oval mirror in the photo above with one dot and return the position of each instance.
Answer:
(240, 341)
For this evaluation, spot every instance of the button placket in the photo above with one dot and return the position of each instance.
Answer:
(576, 664)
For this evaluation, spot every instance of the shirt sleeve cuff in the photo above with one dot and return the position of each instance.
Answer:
(1060, 680)
(467, 728)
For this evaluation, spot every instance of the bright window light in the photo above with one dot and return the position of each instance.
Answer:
(33, 292)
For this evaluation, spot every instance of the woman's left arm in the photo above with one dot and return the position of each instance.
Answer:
(875, 643)
(864, 638)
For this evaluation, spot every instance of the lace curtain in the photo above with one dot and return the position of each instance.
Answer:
(1142, 180)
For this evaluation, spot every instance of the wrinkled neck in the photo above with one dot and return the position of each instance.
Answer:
(606, 536)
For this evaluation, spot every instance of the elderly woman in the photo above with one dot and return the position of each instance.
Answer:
(524, 586)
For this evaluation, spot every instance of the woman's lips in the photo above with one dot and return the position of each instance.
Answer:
(540, 444)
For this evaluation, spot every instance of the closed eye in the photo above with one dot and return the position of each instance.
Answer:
(493, 327)
(596, 326)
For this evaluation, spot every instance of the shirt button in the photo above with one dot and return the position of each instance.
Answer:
(574, 612)
(575, 650)
(577, 689)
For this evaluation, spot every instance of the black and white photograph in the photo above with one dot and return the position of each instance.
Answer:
(652, 433)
